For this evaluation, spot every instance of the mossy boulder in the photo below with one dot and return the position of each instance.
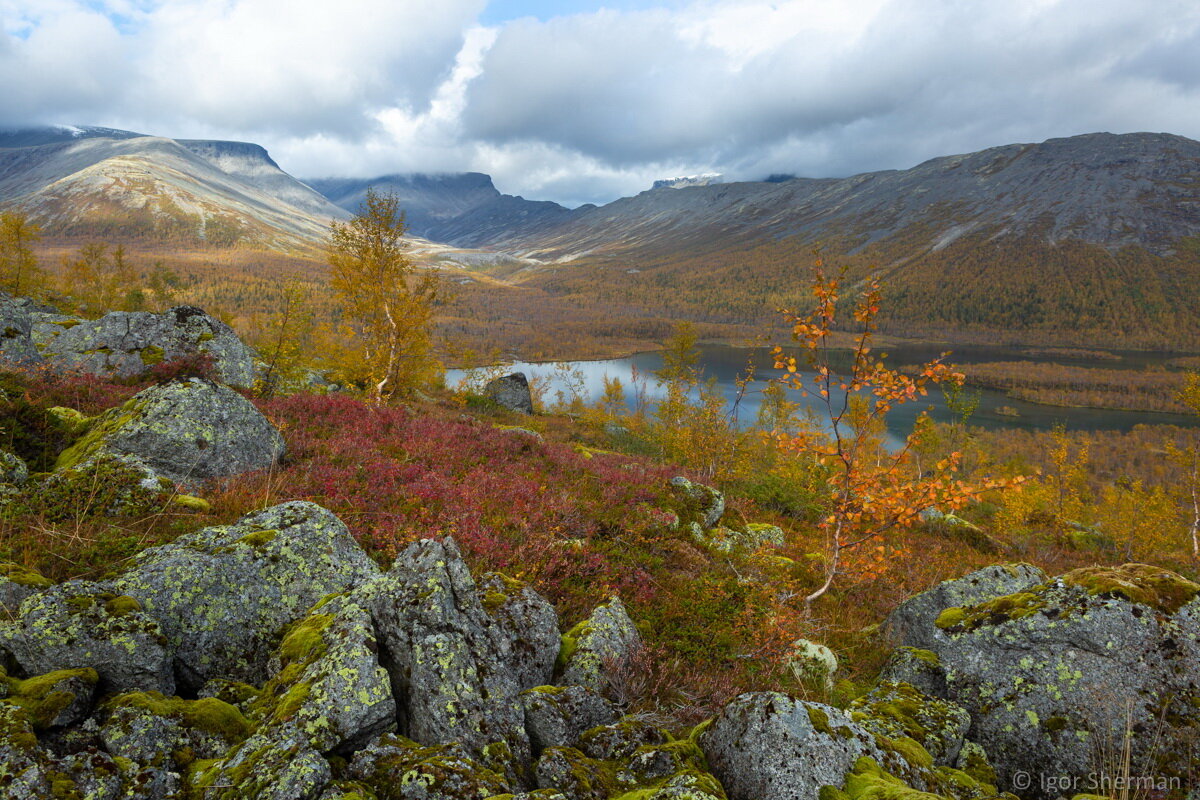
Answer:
(327, 681)
(53, 700)
(152, 729)
(187, 431)
(25, 769)
(618, 741)
(530, 624)
(79, 624)
(105, 484)
(273, 765)
(581, 778)
(912, 623)
(128, 344)
(600, 643)
(766, 744)
(919, 668)
(225, 594)
(1056, 673)
(556, 716)
(812, 664)
(449, 661)
(895, 710)
(16, 584)
(396, 768)
(699, 504)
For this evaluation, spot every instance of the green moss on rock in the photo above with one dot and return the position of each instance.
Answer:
(1160, 589)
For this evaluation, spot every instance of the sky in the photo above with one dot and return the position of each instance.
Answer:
(578, 101)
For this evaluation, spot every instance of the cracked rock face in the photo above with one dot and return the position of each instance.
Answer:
(16, 326)
(187, 431)
(128, 344)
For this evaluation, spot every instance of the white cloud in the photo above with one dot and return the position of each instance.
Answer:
(584, 107)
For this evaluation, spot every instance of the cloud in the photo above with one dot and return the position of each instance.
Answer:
(588, 106)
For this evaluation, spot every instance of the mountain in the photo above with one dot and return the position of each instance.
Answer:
(102, 182)
(706, 179)
(458, 209)
(1081, 240)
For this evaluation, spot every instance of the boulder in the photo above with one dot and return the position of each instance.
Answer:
(16, 326)
(56, 699)
(765, 744)
(276, 764)
(114, 484)
(812, 663)
(896, 710)
(47, 325)
(511, 392)
(187, 431)
(16, 584)
(605, 639)
(225, 594)
(13, 470)
(25, 769)
(129, 344)
(149, 727)
(79, 624)
(1055, 675)
(703, 505)
(449, 661)
(396, 768)
(530, 624)
(327, 681)
(556, 716)
(911, 624)
(921, 669)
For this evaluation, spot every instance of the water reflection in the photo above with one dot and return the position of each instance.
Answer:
(725, 364)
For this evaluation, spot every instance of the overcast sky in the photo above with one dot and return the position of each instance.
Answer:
(580, 101)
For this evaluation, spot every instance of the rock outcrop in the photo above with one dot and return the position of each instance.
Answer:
(16, 326)
(600, 643)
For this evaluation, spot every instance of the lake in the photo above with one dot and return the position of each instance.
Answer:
(725, 363)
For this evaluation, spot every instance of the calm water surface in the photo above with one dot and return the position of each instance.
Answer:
(726, 363)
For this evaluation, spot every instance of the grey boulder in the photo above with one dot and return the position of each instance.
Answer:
(449, 661)
(602, 642)
(224, 594)
(16, 326)
(530, 624)
(765, 744)
(129, 344)
(511, 392)
(187, 431)
(79, 624)
(557, 716)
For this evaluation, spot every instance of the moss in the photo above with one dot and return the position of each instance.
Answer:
(121, 605)
(303, 641)
(926, 656)
(1056, 724)
(23, 576)
(152, 355)
(73, 422)
(207, 714)
(1160, 589)
(819, 720)
(259, 539)
(493, 600)
(570, 644)
(993, 612)
(43, 698)
(191, 503)
(100, 429)
(868, 781)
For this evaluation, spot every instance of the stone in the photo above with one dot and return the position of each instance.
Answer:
(16, 326)
(276, 764)
(766, 744)
(129, 344)
(25, 769)
(396, 768)
(921, 669)
(530, 624)
(895, 709)
(703, 504)
(149, 728)
(12, 469)
(327, 681)
(511, 392)
(187, 431)
(604, 640)
(812, 664)
(448, 660)
(1057, 673)
(79, 624)
(17, 583)
(912, 623)
(556, 716)
(225, 594)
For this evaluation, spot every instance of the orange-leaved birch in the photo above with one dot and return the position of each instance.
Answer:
(874, 493)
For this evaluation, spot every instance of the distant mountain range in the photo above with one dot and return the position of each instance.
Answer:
(1064, 240)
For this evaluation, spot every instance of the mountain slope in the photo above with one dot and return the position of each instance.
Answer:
(220, 193)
